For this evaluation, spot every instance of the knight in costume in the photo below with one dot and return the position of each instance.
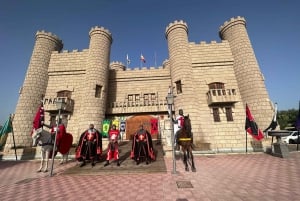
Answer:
(89, 146)
(64, 140)
(178, 125)
(113, 146)
(142, 146)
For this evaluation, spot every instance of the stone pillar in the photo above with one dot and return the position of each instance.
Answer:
(96, 80)
(33, 89)
(249, 77)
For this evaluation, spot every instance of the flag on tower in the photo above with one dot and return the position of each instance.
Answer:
(251, 126)
(127, 59)
(143, 58)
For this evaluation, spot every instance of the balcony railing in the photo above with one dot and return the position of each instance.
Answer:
(217, 96)
(50, 104)
(137, 106)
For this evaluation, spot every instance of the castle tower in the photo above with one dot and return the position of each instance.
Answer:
(180, 65)
(249, 77)
(96, 81)
(34, 88)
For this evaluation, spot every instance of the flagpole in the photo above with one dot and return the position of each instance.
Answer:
(12, 131)
(246, 143)
(298, 126)
(155, 60)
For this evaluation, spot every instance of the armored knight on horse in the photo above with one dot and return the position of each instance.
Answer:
(46, 139)
(184, 138)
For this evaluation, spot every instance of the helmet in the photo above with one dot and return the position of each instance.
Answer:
(180, 111)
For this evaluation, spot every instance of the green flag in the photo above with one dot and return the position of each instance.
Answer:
(7, 127)
(105, 127)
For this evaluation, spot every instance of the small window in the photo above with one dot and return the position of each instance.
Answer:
(229, 113)
(153, 96)
(216, 114)
(178, 87)
(98, 91)
(137, 97)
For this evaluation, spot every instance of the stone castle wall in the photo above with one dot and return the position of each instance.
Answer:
(231, 61)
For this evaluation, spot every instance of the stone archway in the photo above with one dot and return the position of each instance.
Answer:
(133, 123)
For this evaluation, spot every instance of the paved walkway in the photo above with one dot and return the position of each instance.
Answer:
(235, 177)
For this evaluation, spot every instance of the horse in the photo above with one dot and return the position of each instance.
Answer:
(44, 139)
(185, 141)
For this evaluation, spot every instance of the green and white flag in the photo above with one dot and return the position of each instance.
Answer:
(7, 127)
(105, 127)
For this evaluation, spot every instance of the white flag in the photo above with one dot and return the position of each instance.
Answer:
(127, 59)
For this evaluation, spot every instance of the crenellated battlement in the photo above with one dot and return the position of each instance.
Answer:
(70, 51)
(174, 25)
(50, 36)
(233, 21)
(205, 43)
(116, 65)
(100, 30)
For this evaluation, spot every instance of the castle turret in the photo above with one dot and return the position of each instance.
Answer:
(180, 65)
(249, 77)
(96, 81)
(34, 88)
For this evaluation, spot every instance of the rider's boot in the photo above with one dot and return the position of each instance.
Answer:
(107, 163)
(118, 163)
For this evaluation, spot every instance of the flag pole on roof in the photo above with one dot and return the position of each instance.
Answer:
(143, 60)
(127, 61)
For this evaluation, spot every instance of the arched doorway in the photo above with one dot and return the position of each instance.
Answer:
(133, 123)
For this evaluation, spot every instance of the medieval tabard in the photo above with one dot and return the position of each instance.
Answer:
(142, 146)
(89, 145)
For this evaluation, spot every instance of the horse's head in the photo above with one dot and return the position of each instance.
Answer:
(187, 123)
(36, 134)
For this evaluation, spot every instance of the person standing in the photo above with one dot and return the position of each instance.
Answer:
(142, 146)
(113, 146)
(89, 146)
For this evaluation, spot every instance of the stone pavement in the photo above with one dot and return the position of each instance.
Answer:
(227, 177)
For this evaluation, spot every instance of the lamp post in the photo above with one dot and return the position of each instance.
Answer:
(60, 104)
(170, 102)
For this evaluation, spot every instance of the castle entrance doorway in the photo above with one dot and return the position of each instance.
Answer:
(133, 124)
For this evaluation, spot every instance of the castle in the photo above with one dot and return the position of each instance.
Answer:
(212, 83)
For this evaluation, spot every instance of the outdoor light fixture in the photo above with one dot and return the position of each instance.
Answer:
(170, 102)
(60, 104)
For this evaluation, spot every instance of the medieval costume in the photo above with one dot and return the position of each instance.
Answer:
(178, 125)
(89, 146)
(64, 140)
(142, 146)
(113, 146)
(39, 118)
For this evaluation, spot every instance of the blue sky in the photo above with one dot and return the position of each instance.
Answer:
(139, 26)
